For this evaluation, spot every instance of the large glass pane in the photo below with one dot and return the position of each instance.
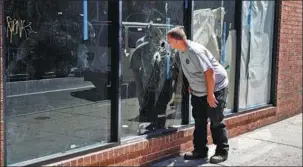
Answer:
(151, 87)
(214, 27)
(56, 59)
(256, 54)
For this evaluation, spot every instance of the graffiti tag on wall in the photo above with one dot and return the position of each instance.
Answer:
(18, 27)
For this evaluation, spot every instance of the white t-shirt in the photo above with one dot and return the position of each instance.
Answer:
(195, 61)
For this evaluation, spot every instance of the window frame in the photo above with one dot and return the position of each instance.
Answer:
(273, 85)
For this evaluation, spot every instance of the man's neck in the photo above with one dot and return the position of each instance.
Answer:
(184, 47)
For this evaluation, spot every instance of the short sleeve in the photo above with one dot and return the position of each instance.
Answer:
(201, 61)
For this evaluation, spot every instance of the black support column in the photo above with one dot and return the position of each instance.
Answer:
(114, 40)
(276, 36)
(238, 25)
(188, 10)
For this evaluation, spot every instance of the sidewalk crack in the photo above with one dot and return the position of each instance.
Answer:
(268, 141)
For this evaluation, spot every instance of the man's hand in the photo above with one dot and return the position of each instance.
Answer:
(212, 101)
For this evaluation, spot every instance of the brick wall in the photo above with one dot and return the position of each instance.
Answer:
(289, 103)
(289, 83)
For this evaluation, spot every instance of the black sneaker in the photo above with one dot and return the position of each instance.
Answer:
(195, 155)
(218, 158)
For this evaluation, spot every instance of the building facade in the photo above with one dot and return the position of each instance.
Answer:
(94, 82)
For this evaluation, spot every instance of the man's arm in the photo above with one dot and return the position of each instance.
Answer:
(210, 81)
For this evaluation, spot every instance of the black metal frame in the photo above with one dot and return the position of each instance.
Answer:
(238, 23)
(187, 16)
(115, 32)
(115, 38)
(275, 51)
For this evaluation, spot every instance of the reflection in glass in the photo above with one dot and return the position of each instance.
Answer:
(151, 86)
(56, 77)
(213, 27)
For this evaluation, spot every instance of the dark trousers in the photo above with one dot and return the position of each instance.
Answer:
(156, 110)
(201, 111)
(151, 110)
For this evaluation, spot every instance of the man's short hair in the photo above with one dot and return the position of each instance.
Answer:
(177, 33)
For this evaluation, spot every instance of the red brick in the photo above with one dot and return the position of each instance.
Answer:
(156, 148)
(87, 160)
(165, 141)
(1, 137)
(148, 151)
(152, 142)
(128, 149)
(140, 146)
(80, 162)
(126, 163)
(67, 164)
(110, 154)
(133, 155)
(120, 159)
(93, 159)
(145, 144)
(174, 136)
(105, 163)
(151, 157)
(137, 161)
(131, 162)
(74, 163)
(143, 160)
(117, 152)
(100, 157)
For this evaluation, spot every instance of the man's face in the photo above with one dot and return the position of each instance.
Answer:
(174, 44)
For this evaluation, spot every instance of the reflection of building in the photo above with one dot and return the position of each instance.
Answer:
(45, 38)
(65, 121)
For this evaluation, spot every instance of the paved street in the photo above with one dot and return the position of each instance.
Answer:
(279, 144)
(39, 86)
(55, 115)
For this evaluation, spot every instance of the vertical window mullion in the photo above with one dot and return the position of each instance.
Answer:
(114, 38)
(188, 8)
(238, 23)
(273, 87)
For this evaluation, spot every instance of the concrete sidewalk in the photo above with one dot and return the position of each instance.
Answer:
(279, 144)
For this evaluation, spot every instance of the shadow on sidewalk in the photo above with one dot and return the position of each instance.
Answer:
(169, 116)
(179, 161)
(90, 95)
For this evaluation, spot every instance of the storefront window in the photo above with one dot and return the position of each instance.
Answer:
(214, 27)
(56, 59)
(256, 54)
(151, 85)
